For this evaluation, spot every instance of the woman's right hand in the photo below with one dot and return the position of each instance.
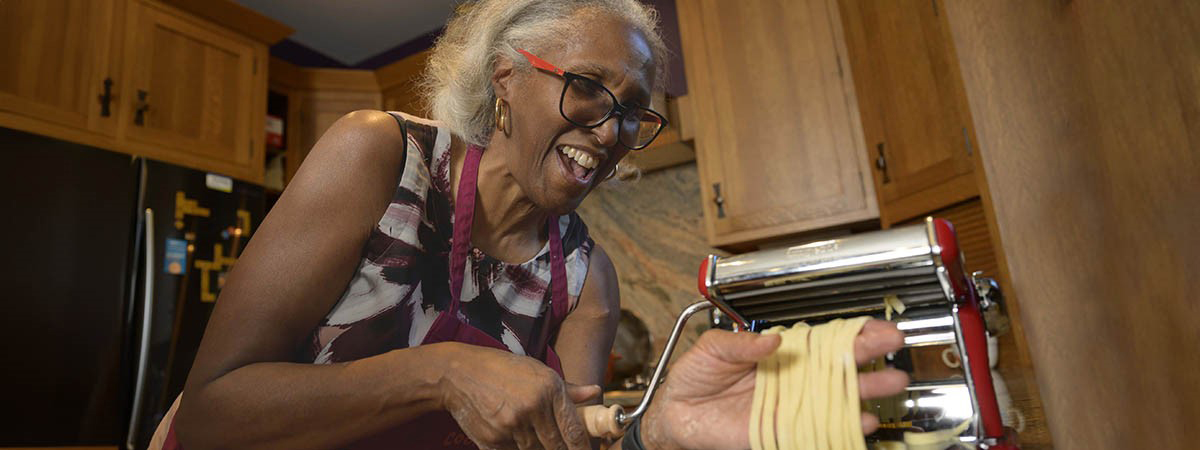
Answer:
(707, 397)
(503, 400)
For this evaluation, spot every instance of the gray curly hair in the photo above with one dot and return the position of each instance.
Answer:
(457, 84)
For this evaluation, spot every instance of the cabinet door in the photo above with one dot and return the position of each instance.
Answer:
(56, 57)
(777, 131)
(914, 111)
(193, 92)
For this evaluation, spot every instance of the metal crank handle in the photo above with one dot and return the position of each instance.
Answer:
(611, 422)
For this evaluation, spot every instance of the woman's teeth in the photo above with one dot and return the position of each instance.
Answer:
(580, 157)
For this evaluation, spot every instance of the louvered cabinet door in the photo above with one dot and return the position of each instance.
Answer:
(777, 134)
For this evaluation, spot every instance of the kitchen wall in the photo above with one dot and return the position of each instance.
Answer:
(653, 230)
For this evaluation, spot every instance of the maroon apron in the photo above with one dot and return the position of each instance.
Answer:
(439, 429)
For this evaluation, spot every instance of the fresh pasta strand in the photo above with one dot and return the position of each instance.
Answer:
(852, 428)
(756, 410)
(771, 398)
(806, 394)
(935, 440)
(788, 361)
(929, 440)
(809, 344)
(826, 376)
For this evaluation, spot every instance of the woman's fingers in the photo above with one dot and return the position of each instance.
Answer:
(556, 426)
(546, 424)
(881, 383)
(583, 393)
(738, 349)
(570, 427)
(870, 423)
(526, 440)
(876, 339)
(550, 438)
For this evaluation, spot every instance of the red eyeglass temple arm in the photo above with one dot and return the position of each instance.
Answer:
(540, 63)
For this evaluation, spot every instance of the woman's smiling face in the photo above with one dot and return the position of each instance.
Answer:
(545, 151)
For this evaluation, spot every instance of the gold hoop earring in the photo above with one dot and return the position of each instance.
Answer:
(500, 113)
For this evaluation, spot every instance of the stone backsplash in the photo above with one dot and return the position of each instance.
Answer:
(653, 230)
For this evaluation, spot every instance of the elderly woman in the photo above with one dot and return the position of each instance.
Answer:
(426, 284)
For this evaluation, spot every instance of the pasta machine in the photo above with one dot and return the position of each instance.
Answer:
(912, 274)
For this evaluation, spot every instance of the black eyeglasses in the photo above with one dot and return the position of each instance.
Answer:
(587, 103)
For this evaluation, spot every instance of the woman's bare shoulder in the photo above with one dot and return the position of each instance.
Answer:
(353, 164)
(364, 133)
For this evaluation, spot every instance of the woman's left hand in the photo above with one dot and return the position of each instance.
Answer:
(705, 401)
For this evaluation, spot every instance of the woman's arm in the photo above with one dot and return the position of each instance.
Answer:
(586, 337)
(242, 391)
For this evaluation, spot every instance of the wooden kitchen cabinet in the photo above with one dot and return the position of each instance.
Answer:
(57, 56)
(316, 99)
(194, 92)
(915, 117)
(778, 137)
(205, 92)
(399, 84)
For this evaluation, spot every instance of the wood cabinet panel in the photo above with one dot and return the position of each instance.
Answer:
(193, 90)
(777, 133)
(56, 57)
(319, 97)
(204, 93)
(399, 83)
(916, 122)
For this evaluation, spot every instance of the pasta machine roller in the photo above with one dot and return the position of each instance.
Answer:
(915, 275)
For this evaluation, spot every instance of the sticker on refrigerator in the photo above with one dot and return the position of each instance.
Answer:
(218, 182)
(175, 261)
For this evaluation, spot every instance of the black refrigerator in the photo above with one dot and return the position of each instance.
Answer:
(111, 267)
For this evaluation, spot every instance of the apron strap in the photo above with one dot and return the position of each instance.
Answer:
(464, 216)
(558, 273)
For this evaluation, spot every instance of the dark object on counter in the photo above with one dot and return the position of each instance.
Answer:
(80, 251)
(632, 350)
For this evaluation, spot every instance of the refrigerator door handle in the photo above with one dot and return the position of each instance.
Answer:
(144, 347)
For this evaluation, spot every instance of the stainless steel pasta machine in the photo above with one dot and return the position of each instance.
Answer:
(914, 275)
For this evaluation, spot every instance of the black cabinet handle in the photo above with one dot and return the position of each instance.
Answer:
(719, 200)
(106, 98)
(139, 117)
(881, 163)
